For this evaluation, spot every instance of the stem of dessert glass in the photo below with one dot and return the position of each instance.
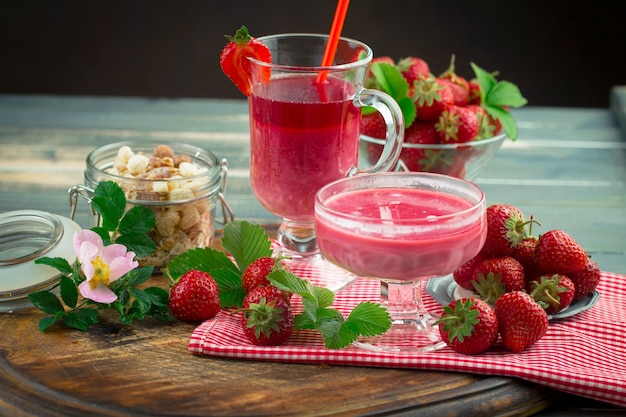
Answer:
(297, 239)
(403, 300)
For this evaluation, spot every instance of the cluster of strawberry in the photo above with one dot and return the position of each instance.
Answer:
(448, 104)
(443, 109)
(517, 281)
(267, 317)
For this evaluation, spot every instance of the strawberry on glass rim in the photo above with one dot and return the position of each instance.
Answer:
(235, 58)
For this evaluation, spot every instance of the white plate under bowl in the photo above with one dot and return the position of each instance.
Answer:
(445, 290)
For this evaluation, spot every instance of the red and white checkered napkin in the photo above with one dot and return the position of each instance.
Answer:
(584, 354)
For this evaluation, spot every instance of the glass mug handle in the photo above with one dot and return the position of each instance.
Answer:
(394, 121)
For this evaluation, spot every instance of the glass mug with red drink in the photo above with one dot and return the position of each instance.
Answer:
(304, 131)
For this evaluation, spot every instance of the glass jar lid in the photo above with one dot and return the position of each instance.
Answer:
(27, 235)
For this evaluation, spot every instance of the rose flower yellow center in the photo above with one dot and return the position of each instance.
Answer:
(101, 273)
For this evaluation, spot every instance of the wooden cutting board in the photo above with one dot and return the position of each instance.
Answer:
(145, 369)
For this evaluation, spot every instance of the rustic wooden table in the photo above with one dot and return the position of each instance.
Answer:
(568, 169)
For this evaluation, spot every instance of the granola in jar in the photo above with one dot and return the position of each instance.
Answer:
(180, 183)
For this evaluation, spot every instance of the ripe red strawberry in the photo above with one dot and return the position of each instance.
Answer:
(415, 159)
(524, 252)
(495, 126)
(553, 292)
(521, 320)
(486, 129)
(557, 251)
(458, 84)
(373, 125)
(453, 164)
(495, 276)
(460, 93)
(506, 228)
(234, 59)
(474, 92)
(586, 279)
(413, 68)
(469, 326)
(457, 124)
(194, 297)
(269, 292)
(464, 275)
(431, 97)
(256, 273)
(267, 318)
(386, 59)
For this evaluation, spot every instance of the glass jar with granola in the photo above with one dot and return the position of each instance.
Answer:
(181, 183)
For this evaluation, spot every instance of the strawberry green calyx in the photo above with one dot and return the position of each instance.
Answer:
(497, 97)
(515, 229)
(490, 287)
(459, 321)
(241, 38)
(427, 91)
(264, 317)
(468, 326)
(547, 290)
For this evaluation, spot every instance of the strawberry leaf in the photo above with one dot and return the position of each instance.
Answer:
(497, 97)
(231, 291)
(369, 319)
(506, 119)
(505, 94)
(390, 80)
(203, 259)
(486, 80)
(246, 242)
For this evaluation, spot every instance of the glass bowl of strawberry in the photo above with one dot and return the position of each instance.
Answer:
(453, 125)
(461, 160)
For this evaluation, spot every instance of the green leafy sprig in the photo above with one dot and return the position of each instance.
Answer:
(247, 242)
(129, 228)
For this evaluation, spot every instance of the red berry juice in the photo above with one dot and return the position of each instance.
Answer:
(400, 234)
(299, 142)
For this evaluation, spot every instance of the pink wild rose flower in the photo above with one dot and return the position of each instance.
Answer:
(101, 265)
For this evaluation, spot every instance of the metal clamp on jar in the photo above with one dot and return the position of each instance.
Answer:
(180, 183)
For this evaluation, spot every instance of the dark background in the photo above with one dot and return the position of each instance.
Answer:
(560, 53)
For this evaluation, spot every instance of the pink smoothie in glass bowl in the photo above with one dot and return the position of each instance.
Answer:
(299, 142)
(399, 233)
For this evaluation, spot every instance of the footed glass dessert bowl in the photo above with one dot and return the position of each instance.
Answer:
(402, 228)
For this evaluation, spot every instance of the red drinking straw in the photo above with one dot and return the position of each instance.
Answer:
(333, 37)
